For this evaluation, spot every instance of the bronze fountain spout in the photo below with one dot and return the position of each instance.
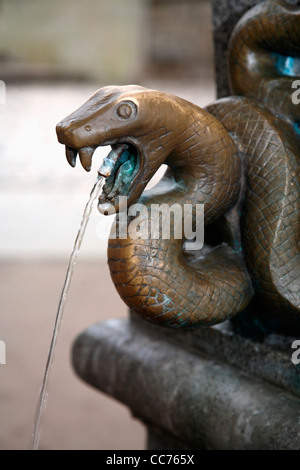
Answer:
(239, 157)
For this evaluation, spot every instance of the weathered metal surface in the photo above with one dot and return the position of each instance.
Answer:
(241, 160)
(202, 402)
(152, 275)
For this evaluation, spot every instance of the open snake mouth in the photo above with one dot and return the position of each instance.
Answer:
(120, 168)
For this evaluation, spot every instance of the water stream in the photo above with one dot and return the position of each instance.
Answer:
(61, 306)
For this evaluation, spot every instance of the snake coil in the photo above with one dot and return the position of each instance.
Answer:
(239, 157)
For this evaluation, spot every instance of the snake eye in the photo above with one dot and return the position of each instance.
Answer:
(127, 110)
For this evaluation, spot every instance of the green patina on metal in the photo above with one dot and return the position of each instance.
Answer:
(239, 157)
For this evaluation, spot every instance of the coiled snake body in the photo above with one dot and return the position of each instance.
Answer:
(239, 156)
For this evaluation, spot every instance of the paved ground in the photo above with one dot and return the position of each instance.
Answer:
(41, 203)
(76, 416)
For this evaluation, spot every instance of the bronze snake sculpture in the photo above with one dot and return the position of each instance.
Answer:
(239, 157)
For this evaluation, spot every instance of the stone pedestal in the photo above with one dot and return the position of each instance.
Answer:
(200, 389)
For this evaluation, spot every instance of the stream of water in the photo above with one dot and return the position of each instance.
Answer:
(61, 306)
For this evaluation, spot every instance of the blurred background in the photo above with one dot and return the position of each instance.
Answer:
(53, 56)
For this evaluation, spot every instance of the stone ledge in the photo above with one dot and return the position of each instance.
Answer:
(269, 360)
(202, 402)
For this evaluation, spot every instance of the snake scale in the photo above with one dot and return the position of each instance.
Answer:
(239, 157)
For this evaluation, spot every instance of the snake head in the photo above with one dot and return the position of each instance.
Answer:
(116, 116)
